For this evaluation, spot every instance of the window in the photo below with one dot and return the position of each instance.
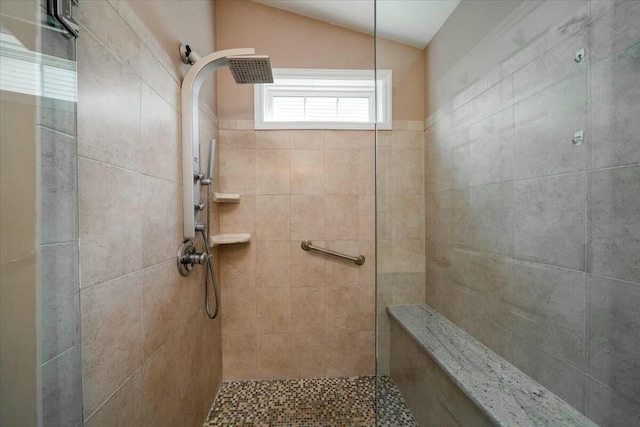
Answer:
(323, 99)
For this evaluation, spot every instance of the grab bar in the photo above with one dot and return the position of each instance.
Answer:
(307, 245)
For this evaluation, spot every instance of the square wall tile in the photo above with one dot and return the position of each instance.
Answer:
(111, 223)
(273, 172)
(62, 390)
(239, 357)
(307, 171)
(550, 220)
(160, 305)
(237, 170)
(58, 187)
(341, 172)
(491, 225)
(545, 125)
(494, 99)
(240, 311)
(160, 145)
(307, 267)
(614, 92)
(111, 337)
(273, 311)
(59, 269)
(307, 217)
(273, 264)
(124, 407)
(492, 149)
(614, 334)
(108, 120)
(270, 139)
(308, 310)
(161, 386)
(273, 217)
(308, 355)
(341, 217)
(549, 308)
(607, 407)
(614, 223)
(238, 266)
(615, 31)
(274, 356)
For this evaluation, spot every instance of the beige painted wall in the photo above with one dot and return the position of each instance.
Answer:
(294, 41)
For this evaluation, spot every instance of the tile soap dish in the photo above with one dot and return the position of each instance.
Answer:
(226, 198)
(229, 239)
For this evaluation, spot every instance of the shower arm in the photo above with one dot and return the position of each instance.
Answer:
(191, 175)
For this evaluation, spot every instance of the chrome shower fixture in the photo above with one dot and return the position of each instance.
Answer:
(246, 67)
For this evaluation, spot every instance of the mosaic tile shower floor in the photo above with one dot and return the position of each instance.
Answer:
(334, 402)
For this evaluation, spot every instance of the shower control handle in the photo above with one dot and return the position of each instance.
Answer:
(199, 206)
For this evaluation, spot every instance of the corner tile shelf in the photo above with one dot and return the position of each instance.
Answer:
(229, 239)
(226, 198)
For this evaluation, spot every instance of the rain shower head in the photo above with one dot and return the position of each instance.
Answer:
(250, 69)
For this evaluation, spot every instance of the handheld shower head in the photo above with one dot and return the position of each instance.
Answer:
(250, 69)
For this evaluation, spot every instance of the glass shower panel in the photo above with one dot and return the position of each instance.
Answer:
(41, 368)
(507, 200)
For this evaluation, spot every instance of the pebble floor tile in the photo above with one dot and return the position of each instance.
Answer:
(334, 402)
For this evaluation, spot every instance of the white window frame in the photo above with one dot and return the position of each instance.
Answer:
(264, 93)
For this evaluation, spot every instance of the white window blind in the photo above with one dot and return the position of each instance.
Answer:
(31, 73)
(323, 99)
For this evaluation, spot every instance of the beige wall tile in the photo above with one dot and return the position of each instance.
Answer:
(273, 217)
(161, 386)
(408, 216)
(238, 217)
(350, 353)
(367, 271)
(307, 171)
(159, 150)
(274, 311)
(237, 139)
(240, 357)
(190, 362)
(273, 262)
(274, 356)
(307, 217)
(191, 294)
(307, 310)
(341, 217)
(308, 351)
(111, 337)
(124, 407)
(341, 172)
(162, 225)
(366, 217)
(272, 172)
(341, 272)
(366, 168)
(350, 308)
(108, 120)
(238, 266)
(240, 311)
(237, 170)
(110, 223)
(307, 268)
(348, 139)
(160, 305)
(307, 139)
(272, 139)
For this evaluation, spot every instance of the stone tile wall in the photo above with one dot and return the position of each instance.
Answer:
(533, 242)
(150, 356)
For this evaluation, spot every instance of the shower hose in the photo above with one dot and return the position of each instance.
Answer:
(204, 233)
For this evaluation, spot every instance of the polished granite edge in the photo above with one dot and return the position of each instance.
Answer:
(505, 394)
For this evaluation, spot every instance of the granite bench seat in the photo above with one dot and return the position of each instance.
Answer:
(476, 386)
